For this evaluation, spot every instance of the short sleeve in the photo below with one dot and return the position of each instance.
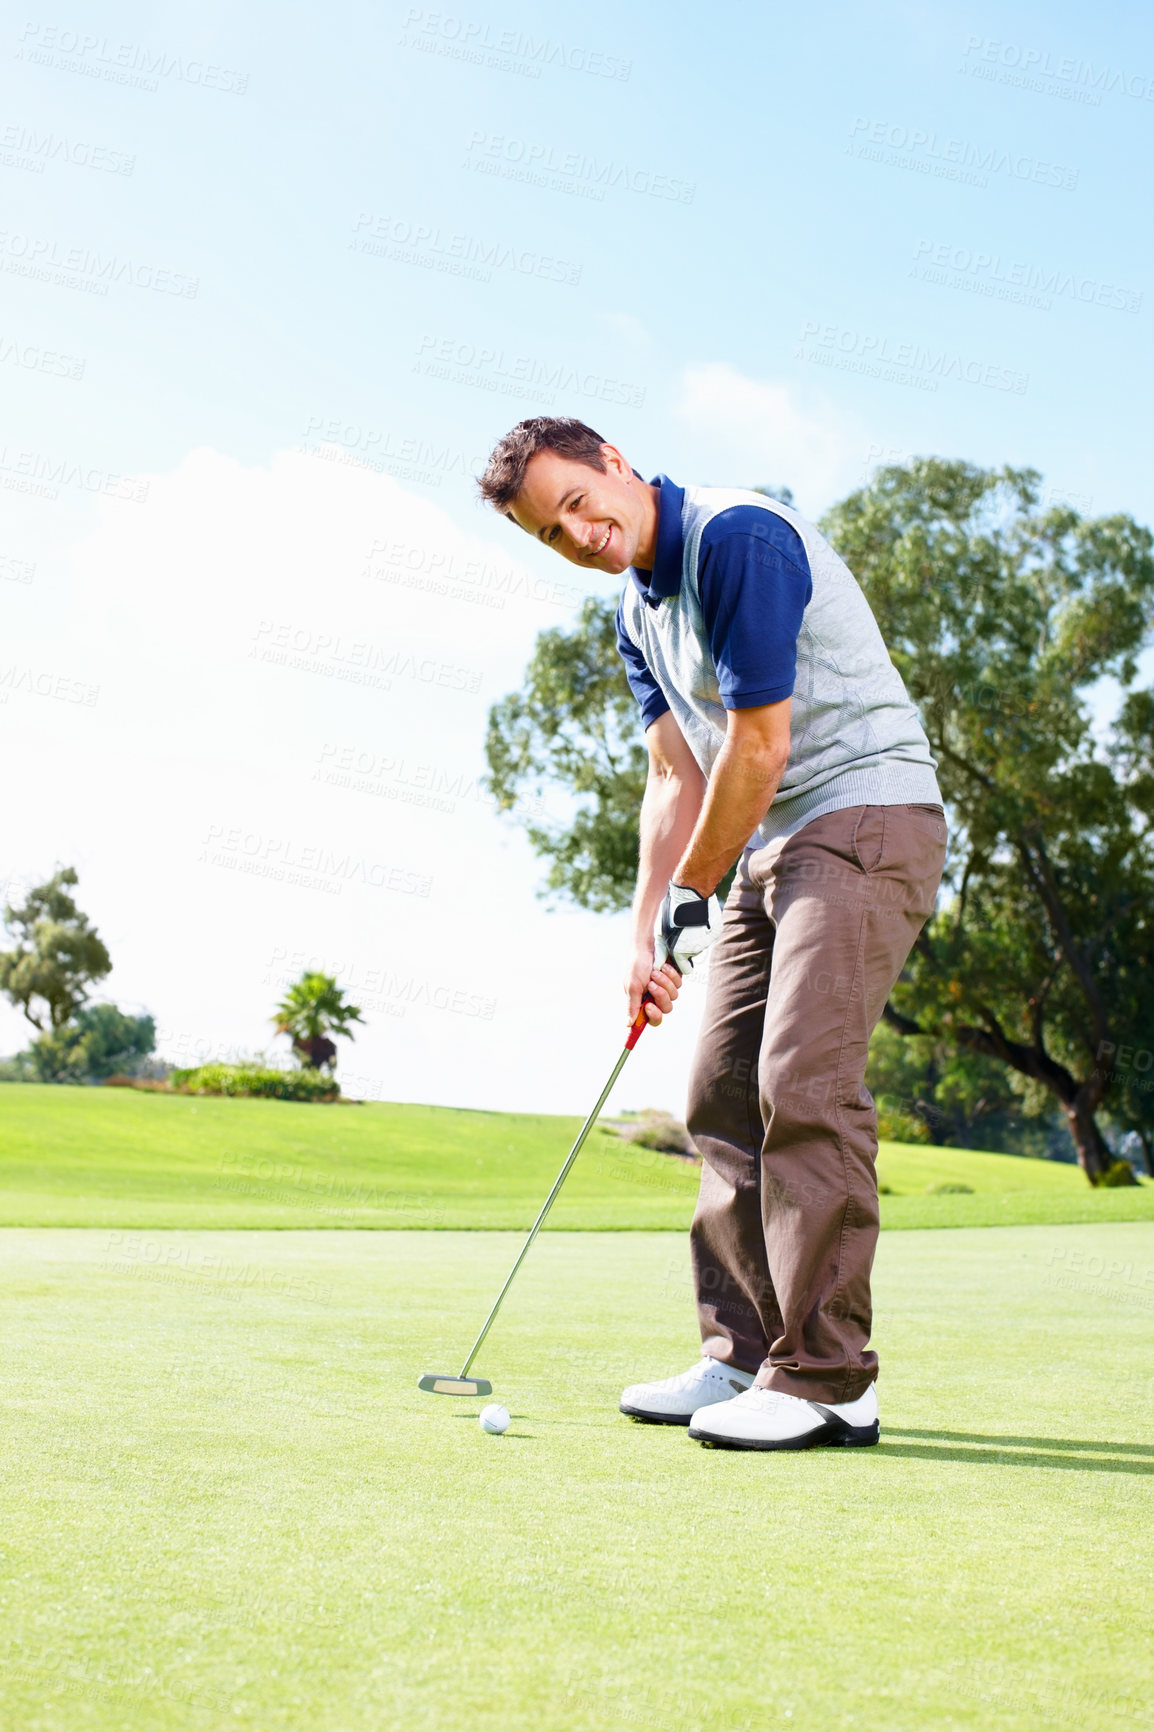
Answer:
(651, 700)
(755, 585)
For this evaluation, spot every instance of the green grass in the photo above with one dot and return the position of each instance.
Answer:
(118, 1157)
(225, 1506)
(94, 1157)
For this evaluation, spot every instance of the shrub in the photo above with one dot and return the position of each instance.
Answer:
(1118, 1173)
(948, 1189)
(898, 1125)
(247, 1079)
(100, 1041)
(661, 1131)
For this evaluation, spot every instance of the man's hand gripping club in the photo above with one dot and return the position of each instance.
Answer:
(687, 925)
(691, 834)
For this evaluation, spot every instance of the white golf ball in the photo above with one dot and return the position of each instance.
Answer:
(494, 1418)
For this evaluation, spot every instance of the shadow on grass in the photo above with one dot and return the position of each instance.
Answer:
(1059, 1452)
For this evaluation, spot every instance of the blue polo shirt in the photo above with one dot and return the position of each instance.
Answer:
(755, 585)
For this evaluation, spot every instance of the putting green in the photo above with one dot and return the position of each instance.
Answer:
(225, 1504)
(77, 1157)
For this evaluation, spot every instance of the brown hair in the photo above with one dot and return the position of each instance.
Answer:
(504, 474)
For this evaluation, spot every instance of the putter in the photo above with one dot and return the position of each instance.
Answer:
(445, 1383)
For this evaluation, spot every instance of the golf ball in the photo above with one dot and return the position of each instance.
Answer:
(494, 1418)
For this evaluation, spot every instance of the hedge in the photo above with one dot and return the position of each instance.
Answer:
(244, 1079)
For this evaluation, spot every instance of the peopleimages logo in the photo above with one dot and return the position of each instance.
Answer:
(951, 158)
(34, 359)
(491, 369)
(443, 572)
(355, 659)
(881, 357)
(436, 786)
(25, 147)
(39, 256)
(128, 63)
(543, 164)
(40, 684)
(424, 244)
(308, 866)
(380, 989)
(990, 56)
(16, 570)
(475, 40)
(1008, 279)
(406, 457)
(432, 787)
(43, 476)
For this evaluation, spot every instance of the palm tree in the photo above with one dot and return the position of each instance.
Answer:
(309, 1012)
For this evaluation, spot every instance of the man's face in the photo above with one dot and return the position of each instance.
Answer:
(603, 522)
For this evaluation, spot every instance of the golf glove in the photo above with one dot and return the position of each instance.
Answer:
(687, 925)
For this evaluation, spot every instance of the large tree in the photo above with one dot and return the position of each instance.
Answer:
(58, 954)
(1002, 618)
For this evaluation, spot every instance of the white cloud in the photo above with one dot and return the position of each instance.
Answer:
(744, 432)
(282, 769)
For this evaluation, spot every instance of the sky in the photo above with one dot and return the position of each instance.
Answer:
(275, 280)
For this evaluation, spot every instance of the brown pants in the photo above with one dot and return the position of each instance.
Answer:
(817, 929)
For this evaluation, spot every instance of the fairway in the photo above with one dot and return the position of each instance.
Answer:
(85, 1157)
(226, 1505)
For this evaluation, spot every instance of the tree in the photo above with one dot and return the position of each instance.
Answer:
(57, 957)
(574, 724)
(1001, 617)
(1130, 1068)
(312, 1010)
(928, 1090)
(102, 1041)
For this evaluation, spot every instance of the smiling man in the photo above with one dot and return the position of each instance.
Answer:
(780, 737)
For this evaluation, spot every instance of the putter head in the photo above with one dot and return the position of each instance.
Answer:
(444, 1383)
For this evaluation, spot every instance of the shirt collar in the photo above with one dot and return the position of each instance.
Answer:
(665, 578)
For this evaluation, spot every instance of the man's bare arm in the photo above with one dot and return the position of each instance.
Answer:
(674, 792)
(741, 787)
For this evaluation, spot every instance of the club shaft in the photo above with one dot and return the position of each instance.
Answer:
(546, 1206)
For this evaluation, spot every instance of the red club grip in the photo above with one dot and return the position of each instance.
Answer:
(641, 1023)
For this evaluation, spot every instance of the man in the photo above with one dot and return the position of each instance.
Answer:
(780, 737)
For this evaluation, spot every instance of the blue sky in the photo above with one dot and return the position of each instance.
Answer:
(273, 283)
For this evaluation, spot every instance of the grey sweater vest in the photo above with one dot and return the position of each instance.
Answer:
(855, 736)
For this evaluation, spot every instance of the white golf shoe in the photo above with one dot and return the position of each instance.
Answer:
(678, 1399)
(766, 1419)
